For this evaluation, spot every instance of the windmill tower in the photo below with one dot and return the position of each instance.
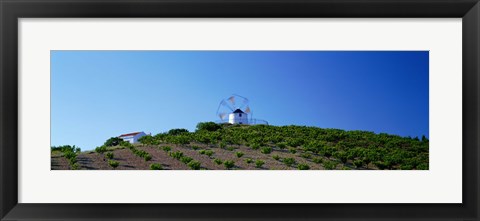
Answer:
(236, 108)
(238, 117)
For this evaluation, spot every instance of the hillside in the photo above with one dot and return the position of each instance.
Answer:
(257, 147)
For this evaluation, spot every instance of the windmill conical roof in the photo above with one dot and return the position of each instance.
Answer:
(238, 111)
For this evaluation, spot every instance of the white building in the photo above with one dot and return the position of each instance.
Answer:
(132, 137)
(238, 117)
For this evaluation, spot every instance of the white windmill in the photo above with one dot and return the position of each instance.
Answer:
(237, 109)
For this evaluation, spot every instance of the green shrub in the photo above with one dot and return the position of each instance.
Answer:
(114, 164)
(177, 131)
(209, 153)
(176, 155)
(276, 157)
(109, 155)
(229, 164)
(185, 159)
(194, 165)
(166, 148)
(282, 145)
(218, 161)
(202, 152)
(292, 150)
(266, 150)
(230, 148)
(406, 167)
(70, 155)
(302, 166)
(208, 126)
(306, 155)
(239, 154)
(113, 141)
(156, 166)
(75, 166)
(422, 166)
(126, 144)
(329, 165)
(358, 163)
(101, 149)
(255, 146)
(248, 160)
(381, 165)
(195, 147)
(259, 163)
(147, 157)
(222, 144)
(317, 160)
(288, 161)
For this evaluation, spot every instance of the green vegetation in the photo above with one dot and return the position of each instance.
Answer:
(302, 166)
(317, 160)
(306, 155)
(255, 146)
(218, 161)
(259, 163)
(176, 155)
(70, 153)
(175, 132)
(208, 126)
(276, 157)
(113, 141)
(282, 145)
(329, 165)
(292, 150)
(166, 148)
(206, 152)
(101, 149)
(156, 166)
(140, 153)
(229, 164)
(288, 161)
(114, 164)
(248, 160)
(239, 154)
(266, 150)
(186, 159)
(109, 155)
(322, 146)
(194, 165)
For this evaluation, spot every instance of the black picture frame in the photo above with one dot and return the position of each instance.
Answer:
(12, 10)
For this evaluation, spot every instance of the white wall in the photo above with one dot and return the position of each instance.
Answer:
(234, 118)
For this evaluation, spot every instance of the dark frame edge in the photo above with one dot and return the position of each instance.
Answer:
(11, 210)
(471, 95)
(9, 114)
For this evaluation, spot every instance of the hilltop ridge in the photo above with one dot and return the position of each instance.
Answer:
(244, 147)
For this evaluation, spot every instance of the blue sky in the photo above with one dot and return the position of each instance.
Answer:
(96, 95)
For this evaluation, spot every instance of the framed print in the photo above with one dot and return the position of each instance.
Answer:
(239, 110)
